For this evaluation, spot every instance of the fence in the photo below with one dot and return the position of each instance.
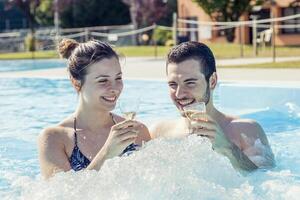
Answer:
(46, 38)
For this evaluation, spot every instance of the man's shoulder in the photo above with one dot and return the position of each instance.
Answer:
(163, 127)
(245, 127)
(244, 124)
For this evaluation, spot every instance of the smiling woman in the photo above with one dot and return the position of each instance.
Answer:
(92, 134)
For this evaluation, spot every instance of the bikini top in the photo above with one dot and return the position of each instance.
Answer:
(79, 161)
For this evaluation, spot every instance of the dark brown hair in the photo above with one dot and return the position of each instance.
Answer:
(81, 55)
(197, 51)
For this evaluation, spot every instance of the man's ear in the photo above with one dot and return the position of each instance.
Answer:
(76, 84)
(213, 80)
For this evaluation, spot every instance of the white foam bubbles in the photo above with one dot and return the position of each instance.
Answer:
(164, 169)
(293, 109)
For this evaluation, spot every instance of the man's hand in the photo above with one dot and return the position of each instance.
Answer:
(203, 125)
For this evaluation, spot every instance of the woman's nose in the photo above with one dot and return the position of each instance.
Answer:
(115, 87)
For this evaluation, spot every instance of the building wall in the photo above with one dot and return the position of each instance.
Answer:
(187, 8)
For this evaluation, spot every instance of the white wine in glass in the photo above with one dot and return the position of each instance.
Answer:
(129, 107)
(129, 115)
(194, 112)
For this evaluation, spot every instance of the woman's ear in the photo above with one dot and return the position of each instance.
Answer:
(76, 84)
(213, 80)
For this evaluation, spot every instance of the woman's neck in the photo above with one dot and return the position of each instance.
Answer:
(91, 119)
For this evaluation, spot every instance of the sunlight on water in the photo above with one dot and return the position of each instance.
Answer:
(164, 169)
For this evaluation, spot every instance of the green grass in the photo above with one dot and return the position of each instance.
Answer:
(290, 64)
(130, 51)
(28, 55)
(220, 50)
(143, 51)
(225, 50)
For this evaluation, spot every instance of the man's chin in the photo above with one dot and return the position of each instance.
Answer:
(182, 114)
(181, 111)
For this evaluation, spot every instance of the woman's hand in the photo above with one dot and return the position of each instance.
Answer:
(121, 135)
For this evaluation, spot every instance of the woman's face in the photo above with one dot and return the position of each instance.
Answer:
(103, 84)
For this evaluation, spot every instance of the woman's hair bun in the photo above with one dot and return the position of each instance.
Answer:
(66, 47)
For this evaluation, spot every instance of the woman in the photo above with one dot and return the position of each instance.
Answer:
(92, 134)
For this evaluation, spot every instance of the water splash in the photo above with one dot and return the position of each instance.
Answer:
(293, 109)
(163, 169)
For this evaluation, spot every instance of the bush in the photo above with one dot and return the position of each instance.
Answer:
(30, 43)
(169, 43)
(162, 36)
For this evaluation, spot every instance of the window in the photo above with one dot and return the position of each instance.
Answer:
(287, 12)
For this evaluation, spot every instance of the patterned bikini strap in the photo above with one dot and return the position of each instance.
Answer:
(75, 132)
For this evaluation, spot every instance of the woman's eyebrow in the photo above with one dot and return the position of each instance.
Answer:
(105, 76)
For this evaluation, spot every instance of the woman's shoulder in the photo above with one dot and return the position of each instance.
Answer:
(59, 132)
(52, 134)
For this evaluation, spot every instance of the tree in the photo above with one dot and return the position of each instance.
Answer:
(29, 9)
(144, 13)
(45, 13)
(167, 19)
(83, 13)
(228, 11)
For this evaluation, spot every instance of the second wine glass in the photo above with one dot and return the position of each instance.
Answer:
(194, 112)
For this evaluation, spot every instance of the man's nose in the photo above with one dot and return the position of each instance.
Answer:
(180, 92)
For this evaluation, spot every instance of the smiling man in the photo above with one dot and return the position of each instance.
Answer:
(192, 78)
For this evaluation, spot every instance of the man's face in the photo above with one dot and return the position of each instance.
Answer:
(186, 83)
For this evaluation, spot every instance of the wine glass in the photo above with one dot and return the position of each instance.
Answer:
(129, 107)
(194, 112)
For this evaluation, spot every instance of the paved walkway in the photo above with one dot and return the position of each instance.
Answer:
(150, 68)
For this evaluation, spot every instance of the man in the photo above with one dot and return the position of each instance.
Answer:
(192, 78)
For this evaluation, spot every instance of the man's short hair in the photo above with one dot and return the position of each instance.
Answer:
(197, 51)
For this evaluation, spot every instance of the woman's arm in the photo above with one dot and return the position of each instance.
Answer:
(52, 155)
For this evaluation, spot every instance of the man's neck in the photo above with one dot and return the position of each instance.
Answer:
(220, 118)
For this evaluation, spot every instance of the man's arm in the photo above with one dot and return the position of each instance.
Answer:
(237, 157)
(242, 141)
(255, 145)
(253, 150)
(156, 130)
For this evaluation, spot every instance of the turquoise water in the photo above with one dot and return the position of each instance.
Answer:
(24, 65)
(163, 169)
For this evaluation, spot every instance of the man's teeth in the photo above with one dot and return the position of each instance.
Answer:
(185, 102)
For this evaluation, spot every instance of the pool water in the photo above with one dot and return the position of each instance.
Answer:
(24, 65)
(164, 169)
